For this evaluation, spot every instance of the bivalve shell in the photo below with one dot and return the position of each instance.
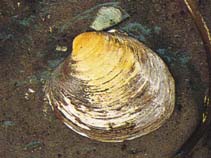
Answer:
(111, 88)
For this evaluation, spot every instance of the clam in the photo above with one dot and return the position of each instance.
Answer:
(111, 88)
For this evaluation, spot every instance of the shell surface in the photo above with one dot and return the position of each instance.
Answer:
(107, 17)
(111, 88)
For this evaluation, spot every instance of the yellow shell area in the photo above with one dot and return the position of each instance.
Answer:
(104, 68)
(111, 88)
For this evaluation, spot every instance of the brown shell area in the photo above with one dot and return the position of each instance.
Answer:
(111, 88)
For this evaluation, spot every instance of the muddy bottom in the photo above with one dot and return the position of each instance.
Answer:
(35, 36)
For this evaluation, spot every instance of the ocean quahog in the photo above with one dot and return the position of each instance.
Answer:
(111, 88)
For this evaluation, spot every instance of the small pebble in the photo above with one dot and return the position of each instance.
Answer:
(31, 90)
(50, 29)
(61, 48)
(18, 4)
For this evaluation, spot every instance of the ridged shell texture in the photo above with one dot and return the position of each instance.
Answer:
(111, 88)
